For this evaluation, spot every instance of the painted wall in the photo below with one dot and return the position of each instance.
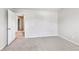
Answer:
(68, 24)
(40, 23)
(3, 27)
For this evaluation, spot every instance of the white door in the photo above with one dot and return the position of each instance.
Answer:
(12, 26)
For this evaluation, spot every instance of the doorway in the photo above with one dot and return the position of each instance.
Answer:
(20, 33)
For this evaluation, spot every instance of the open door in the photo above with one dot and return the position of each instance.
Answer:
(12, 26)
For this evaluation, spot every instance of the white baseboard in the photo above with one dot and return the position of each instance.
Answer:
(3, 47)
(69, 40)
(40, 36)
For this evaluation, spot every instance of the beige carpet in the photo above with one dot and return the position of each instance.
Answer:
(42, 44)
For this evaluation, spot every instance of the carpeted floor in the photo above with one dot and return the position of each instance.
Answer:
(42, 44)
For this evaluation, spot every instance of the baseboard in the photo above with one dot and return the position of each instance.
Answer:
(2, 47)
(40, 36)
(68, 39)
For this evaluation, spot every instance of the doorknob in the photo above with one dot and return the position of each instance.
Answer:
(9, 28)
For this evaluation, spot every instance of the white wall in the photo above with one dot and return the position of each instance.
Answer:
(69, 24)
(40, 23)
(3, 27)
